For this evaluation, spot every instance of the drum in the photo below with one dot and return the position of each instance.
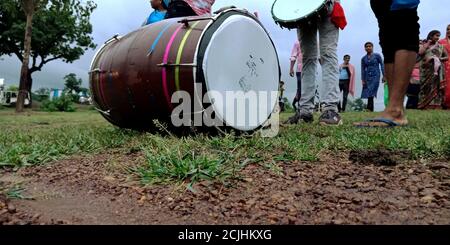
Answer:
(293, 13)
(161, 71)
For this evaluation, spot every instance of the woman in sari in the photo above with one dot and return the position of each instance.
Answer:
(446, 43)
(431, 72)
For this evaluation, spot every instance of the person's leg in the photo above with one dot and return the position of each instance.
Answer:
(329, 38)
(346, 90)
(370, 104)
(403, 66)
(299, 90)
(308, 40)
(404, 34)
(341, 102)
(294, 104)
(413, 96)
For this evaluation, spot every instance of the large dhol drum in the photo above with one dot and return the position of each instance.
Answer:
(293, 13)
(133, 78)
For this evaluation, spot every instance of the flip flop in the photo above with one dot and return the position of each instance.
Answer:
(388, 123)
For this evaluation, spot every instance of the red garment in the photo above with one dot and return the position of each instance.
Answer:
(338, 16)
(446, 45)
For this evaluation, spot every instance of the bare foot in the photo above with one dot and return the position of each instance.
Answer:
(395, 118)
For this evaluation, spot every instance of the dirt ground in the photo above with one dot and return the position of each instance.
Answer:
(352, 188)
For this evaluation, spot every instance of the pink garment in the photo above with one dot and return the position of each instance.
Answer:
(446, 67)
(296, 55)
(437, 65)
(201, 7)
(437, 61)
(416, 73)
(352, 88)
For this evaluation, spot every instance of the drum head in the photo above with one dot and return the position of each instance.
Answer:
(241, 62)
(294, 10)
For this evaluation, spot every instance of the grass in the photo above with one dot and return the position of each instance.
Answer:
(39, 137)
(44, 137)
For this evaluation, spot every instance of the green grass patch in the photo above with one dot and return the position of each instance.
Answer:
(43, 137)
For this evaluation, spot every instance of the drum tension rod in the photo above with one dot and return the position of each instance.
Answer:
(174, 65)
(114, 38)
(187, 20)
(97, 71)
(107, 113)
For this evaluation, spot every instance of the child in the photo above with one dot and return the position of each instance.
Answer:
(160, 7)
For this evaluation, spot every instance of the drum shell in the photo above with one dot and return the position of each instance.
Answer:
(126, 76)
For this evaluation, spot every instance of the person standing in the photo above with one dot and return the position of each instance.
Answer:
(328, 29)
(296, 58)
(431, 72)
(446, 43)
(398, 22)
(346, 81)
(371, 69)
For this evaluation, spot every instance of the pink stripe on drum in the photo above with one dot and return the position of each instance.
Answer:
(164, 70)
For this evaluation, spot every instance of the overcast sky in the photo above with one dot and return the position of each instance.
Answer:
(122, 16)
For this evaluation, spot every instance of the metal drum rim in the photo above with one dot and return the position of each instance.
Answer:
(299, 19)
(247, 14)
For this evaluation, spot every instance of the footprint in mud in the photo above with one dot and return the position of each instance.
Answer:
(379, 157)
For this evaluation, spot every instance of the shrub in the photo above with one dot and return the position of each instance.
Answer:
(62, 104)
(356, 105)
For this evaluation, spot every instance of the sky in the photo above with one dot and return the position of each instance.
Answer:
(123, 16)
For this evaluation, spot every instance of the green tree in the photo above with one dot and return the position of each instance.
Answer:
(72, 84)
(13, 88)
(42, 91)
(56, 30)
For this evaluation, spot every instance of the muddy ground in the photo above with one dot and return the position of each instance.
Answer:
(352, 188)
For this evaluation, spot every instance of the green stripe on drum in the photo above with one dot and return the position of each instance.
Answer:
(180, 54)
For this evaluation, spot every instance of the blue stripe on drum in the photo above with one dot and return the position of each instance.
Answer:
(159, 37)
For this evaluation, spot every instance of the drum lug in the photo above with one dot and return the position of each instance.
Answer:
(114, 38)
(176, 65)
(96, 71)
(107, 113)
(187, 20)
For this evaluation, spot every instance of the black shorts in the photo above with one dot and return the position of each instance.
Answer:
(399, 30)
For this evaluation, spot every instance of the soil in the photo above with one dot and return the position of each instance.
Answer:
(350, 188)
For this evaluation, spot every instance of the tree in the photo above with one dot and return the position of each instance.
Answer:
(59, 29)
(13, 88)
(29, 8)
(72, 84)
(43, 92)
